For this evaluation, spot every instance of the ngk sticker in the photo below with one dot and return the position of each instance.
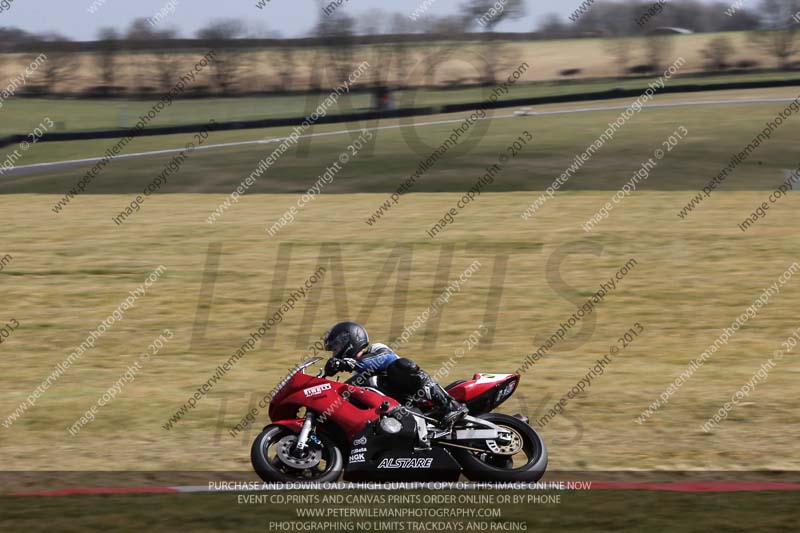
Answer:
(403, 462)
(357, 455)
(316, 390)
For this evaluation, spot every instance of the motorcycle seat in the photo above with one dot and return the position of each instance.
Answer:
(456, 382)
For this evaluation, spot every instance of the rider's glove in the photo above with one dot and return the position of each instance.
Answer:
(332, 367)
(336, 365)
(348, 364)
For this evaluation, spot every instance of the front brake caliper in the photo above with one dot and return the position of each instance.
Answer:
(314, 441)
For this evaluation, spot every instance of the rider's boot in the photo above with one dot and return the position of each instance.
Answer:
(449, 409)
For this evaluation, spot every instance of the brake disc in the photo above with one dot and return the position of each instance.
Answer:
(285, 451)
(510, 447)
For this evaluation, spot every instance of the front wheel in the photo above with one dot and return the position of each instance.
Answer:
(522, 460)
(275, 460)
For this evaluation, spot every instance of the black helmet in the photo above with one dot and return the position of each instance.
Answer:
(346, 339)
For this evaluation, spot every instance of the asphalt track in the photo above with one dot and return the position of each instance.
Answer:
(27, 169)
(677, 486)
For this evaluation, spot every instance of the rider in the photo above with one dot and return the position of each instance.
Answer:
(353, 352)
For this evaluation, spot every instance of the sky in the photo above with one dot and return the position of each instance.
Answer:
(291, 18)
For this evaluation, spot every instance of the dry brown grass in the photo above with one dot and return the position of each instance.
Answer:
(693, 278)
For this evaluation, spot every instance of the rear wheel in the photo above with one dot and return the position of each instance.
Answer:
(276, 460)
(523, 459)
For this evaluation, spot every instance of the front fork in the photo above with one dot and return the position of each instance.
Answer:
(305, 433)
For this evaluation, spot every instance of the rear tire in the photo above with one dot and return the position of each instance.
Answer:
(272, 470)
(489, 467)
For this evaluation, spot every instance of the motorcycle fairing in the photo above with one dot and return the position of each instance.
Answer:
(375, 455)
(347, 406)
(294, 424)
(480, 394)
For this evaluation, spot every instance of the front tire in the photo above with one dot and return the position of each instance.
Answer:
(272, 469)
(490, 467)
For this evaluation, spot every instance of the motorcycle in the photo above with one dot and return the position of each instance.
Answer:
(323, 429)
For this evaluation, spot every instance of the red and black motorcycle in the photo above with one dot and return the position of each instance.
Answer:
(322, 429)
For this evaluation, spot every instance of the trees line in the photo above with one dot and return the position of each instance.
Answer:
(392, 44)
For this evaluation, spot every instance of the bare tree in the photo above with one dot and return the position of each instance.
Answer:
(659, 47)
(60, 66)
(780, 34)
(226, 68)
(141, 30)
(401, 51)
(552, 27)
(741, 20)
(317, 61)
(166, 65)
(437, 51)
(10, 37)
(718, 53)
(487, 15)
(376, 22)
(222, 30)
(228, 60)
(337, 33)
(106, 56)
(616, 23)
(620, 46)
(286, 59)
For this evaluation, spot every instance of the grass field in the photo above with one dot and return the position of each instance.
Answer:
(715, 133)
(692, 279)
(21, 115)
(65, 273)
(685, 280)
